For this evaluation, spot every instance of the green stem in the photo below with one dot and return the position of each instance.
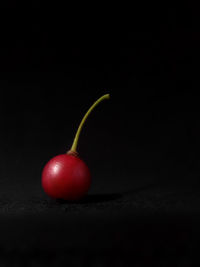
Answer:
(75, 142)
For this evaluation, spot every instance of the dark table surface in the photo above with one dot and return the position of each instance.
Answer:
(154, 224)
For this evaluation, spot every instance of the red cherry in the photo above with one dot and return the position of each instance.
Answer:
(67, 176)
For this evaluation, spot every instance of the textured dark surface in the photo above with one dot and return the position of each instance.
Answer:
(152, 225)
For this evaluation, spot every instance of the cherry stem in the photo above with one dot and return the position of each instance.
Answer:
(75, 142)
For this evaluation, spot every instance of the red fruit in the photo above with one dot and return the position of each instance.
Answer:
(67, 176)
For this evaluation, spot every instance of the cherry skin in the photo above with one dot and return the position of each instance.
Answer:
(66, 177)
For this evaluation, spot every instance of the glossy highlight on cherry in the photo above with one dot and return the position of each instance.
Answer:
(67, 176)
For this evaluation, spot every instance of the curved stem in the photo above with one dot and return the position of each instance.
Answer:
(75, 142)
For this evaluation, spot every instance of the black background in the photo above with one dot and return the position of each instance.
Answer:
(142, 145)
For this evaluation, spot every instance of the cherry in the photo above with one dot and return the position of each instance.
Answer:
(66, 176)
